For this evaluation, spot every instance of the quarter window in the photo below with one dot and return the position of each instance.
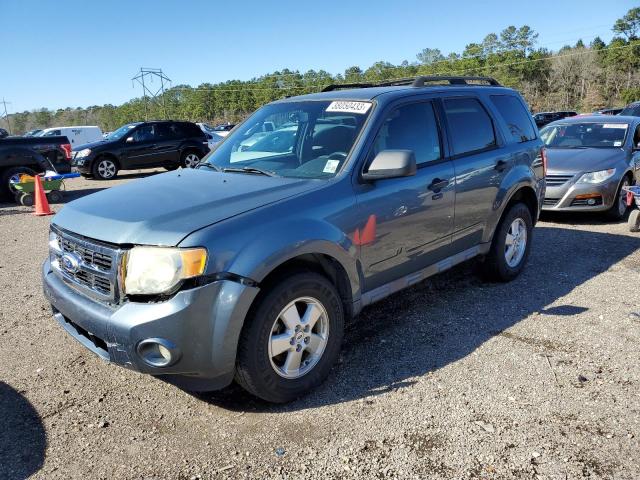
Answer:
(470, 126)
(411, 127)
(515, 116)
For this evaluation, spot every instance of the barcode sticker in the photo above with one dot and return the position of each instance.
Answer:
(349, 107)
(331, 166)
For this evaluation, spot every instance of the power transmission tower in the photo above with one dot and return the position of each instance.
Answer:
(6, 114)
(144, 78)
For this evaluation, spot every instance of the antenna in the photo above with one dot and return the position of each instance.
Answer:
(146, 76)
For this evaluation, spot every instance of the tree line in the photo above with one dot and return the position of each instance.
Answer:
(580, 77)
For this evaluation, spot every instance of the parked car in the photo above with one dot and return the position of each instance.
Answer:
(608, 111)
(77, 135)
(249, 266)
(213, 138)
(633, 110)
(32, 133)
(589, 162)
(168, 144)
(19, 155)
(3, 133)
(223, 129)
(544, 118)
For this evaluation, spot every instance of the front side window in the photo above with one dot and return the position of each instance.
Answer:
(470, 125)
(294, 139)
(411, 127)
(146, 133)
(515, 116)
(52, 133)
(585, 135)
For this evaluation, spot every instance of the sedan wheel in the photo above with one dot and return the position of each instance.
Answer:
(619, 207)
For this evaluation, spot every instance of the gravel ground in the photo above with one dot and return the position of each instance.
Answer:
(454, 378)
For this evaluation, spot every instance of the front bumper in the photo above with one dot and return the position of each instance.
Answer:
(202, 323)
(83, 164)
(563, 197)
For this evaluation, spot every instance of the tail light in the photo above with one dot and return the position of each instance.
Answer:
(67, 150)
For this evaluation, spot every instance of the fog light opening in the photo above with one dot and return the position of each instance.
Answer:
(158, 352)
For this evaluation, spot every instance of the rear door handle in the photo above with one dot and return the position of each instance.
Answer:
(437, 184)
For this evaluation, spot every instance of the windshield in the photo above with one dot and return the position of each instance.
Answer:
(585, 135)
(121, 132)
(293, 139)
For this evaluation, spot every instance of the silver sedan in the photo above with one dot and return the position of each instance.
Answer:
(590, 160)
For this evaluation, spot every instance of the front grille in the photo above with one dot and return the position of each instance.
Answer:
(93, 267)
(550, 202)
(557, 180)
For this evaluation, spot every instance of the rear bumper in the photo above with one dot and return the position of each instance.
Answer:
(202, 324)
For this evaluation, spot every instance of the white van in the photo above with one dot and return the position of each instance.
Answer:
(77, 136)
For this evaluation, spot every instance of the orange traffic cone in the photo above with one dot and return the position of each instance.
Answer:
(42, 205)
(369, 231)
(356, 237)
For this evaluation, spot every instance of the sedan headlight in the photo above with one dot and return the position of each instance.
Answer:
(597, 177)
(85, 152)
(156, 270)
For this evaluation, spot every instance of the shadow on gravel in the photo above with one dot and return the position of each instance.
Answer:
(394, 343)
(22, 436)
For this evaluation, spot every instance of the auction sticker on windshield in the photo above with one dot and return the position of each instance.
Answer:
(331, 166)
(349, 107)
(622, 126)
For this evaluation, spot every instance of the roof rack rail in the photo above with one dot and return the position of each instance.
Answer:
(414, 82)
(420, 81)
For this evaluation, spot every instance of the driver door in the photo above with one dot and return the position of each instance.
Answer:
(141, 151)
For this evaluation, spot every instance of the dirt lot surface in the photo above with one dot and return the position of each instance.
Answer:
(454, 378)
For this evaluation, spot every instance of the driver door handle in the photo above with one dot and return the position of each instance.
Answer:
(437, 184)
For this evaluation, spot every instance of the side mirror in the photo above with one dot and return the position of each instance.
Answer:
(130, 140)
(391, 164)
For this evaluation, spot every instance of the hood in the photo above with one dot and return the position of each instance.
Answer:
(99, 143)
(165, 208)
(576, 160)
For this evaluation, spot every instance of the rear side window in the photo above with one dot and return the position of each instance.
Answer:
(515, 116)
(190, 130)
(470, 125)
(411, 127)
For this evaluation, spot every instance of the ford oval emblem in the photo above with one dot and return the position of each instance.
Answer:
(71, 262)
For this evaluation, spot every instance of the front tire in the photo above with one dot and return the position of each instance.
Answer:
(511, 245)
(620, 207)
(291, 338)
(104, 168)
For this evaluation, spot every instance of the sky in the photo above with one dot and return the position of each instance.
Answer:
(77, 53)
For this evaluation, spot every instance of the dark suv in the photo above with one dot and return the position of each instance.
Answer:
(544, 118)
(166, 144)
(248, 266)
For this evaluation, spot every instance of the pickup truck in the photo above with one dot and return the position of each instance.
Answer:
(247, 267)
(31, 155)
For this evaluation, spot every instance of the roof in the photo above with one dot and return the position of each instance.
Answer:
(390, 92)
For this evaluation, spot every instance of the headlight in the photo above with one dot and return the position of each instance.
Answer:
(156, 270)
(597, 177)
(85, 152)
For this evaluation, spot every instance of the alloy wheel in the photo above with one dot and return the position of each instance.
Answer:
(516, 243)
(106, 168)
(191, 160)
(622, 197)
(298, 337)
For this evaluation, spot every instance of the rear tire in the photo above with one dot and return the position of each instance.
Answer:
(280, 361)
(511, 245)
(6, 191)
(190, 159)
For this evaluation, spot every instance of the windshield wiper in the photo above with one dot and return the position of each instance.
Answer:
(208, 165)
(252, 170)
